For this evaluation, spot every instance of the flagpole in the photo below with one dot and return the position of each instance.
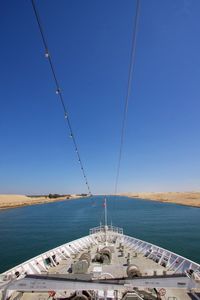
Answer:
(105, 211)
(106, 219)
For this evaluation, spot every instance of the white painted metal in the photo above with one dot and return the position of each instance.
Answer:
(37, 265)
(43, 285)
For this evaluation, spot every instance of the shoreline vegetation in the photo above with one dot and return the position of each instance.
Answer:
(180, 198)
(13, 201)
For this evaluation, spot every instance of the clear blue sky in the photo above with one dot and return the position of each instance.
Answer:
(90, 45)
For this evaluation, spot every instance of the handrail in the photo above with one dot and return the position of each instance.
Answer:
(109, 228)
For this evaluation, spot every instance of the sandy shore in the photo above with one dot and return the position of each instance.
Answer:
(12, 201)
(186, 198)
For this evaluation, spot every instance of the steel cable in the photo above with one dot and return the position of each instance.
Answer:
(130, 76)
(60, 95)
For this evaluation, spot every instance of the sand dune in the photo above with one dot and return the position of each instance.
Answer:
(11, 201)
(186, 198)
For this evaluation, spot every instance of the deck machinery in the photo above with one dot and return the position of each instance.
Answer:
(106, 264)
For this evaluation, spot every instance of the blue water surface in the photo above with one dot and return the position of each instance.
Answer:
(31, 230)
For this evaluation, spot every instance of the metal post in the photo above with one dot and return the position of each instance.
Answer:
(105, 211)
(106, 221)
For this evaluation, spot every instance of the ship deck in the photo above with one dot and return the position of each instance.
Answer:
(123, 254)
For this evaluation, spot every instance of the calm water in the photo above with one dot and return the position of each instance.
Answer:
(28, 231)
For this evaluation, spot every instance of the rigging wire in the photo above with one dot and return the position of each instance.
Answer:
(130, 76)
(60, 94)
